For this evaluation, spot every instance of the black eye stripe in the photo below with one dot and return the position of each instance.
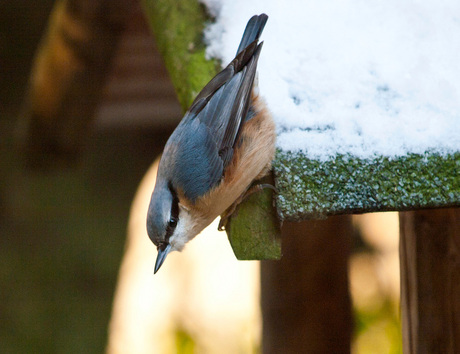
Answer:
(174, 216)
(175, 203)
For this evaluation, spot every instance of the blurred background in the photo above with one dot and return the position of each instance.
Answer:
(64, 203)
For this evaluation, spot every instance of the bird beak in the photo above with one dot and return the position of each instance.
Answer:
(162, 253)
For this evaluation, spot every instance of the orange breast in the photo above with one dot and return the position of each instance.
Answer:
(251, 160)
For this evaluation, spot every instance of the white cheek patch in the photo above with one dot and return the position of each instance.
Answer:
(187, 228)
(177, 243)
(181, 235)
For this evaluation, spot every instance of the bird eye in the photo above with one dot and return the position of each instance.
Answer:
(172, 222)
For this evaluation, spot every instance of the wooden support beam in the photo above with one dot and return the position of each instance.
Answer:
(430, 280)
(305, 300)
(67, 78)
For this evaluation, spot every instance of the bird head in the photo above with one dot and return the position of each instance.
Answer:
(170, 225)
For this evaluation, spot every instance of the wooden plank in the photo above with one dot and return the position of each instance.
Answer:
(430, 280)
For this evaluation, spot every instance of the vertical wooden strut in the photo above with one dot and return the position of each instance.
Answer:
(306, 305)
(430, 280)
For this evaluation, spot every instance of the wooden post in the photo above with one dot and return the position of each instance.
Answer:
(430, 280)
(67, 78)
(305, 300)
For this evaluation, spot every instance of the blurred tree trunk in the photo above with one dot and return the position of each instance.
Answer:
(67, 77)
(430, 280)
(305, 299)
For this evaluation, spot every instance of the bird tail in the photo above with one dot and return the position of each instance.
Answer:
(253, 31)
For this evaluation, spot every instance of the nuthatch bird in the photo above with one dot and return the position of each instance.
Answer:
(225, 141)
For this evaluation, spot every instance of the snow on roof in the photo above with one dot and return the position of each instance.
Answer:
(366, 78)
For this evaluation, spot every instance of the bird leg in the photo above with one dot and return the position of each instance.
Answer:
(232, 208)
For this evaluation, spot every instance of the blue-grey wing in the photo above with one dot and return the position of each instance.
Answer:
(190, 160)
(225, 105)
(202, 146)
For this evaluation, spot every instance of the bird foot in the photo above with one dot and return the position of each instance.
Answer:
(232, 208)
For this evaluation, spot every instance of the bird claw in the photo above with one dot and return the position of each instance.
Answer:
(232, 208)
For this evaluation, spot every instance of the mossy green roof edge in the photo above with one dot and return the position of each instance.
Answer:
(310, 189)
(178, 28)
